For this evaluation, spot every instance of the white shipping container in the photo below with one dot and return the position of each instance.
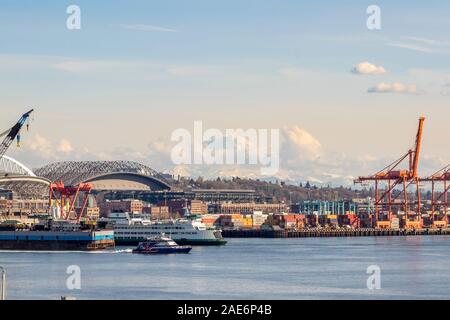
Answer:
(395, 223)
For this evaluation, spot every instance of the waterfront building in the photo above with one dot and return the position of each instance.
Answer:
(249, 208)
(325, 207)
(128, 205)
(19, 208)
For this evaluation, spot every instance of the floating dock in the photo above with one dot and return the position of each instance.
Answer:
(330, 233)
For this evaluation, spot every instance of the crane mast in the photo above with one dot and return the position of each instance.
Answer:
(13, 133)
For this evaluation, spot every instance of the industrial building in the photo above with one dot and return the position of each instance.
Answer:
(129, 205)
(210, 195)
(248, 208)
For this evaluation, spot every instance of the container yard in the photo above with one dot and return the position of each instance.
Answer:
(364, 232)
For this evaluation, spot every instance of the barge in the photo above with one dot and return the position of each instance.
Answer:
(56, 240)
(54, 236)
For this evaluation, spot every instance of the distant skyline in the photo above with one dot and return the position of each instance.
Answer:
(346, 99)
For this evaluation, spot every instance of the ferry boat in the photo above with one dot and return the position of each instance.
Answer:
(160, 245)
(185, 231)
(53, 235)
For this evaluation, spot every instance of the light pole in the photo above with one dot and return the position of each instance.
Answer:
(3, 291)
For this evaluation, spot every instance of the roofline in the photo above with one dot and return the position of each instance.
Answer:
(24, 178)
(126, 173)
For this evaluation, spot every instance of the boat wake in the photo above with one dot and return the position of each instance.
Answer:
(129, 250)
(124, 251)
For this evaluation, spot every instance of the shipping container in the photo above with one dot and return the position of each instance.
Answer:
(395, 223)
(440, 224)
(383, 224)
(413, 225)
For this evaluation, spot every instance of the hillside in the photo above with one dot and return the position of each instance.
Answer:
(277, 191)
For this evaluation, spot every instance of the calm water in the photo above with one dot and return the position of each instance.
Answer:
(314, 268)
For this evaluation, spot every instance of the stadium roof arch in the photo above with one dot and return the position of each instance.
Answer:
(16, 177)
(106, 175)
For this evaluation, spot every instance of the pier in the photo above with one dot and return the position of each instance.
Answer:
(331, 233)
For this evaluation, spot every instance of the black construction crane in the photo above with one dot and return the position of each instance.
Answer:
(12, 133)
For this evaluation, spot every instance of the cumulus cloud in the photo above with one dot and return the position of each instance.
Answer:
(299, 144)
(302, 158)
(41, 145)
(65, 146)
(367, 68)
(298, 150)
(395, 87)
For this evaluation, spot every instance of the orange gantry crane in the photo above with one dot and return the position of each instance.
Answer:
(66, 198)
(392, 178)
(439, 199)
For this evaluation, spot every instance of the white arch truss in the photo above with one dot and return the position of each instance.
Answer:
(11, 166)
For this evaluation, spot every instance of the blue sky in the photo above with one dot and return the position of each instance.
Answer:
(137, 70)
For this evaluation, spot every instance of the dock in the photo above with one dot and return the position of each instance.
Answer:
(367, 232)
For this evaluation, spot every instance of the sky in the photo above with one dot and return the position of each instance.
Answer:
(345, 98)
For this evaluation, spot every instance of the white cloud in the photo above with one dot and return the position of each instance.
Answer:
(37, 151)
(426, 41)
(146, 27)
(299, 144)
(302, 158)
(395, 87)
(85, 66)
(368, 68)
(80, 66)
(67, 64)
(65, 146)
(299, 150)
(41, 145)
(191, 70)
(409, 46)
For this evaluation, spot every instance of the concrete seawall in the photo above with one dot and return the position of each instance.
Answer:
(329, 233)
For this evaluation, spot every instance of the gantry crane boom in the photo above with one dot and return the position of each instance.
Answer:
(388, 172)
(415, 164)
(12, 133)
(439, 200)
(393, 176)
